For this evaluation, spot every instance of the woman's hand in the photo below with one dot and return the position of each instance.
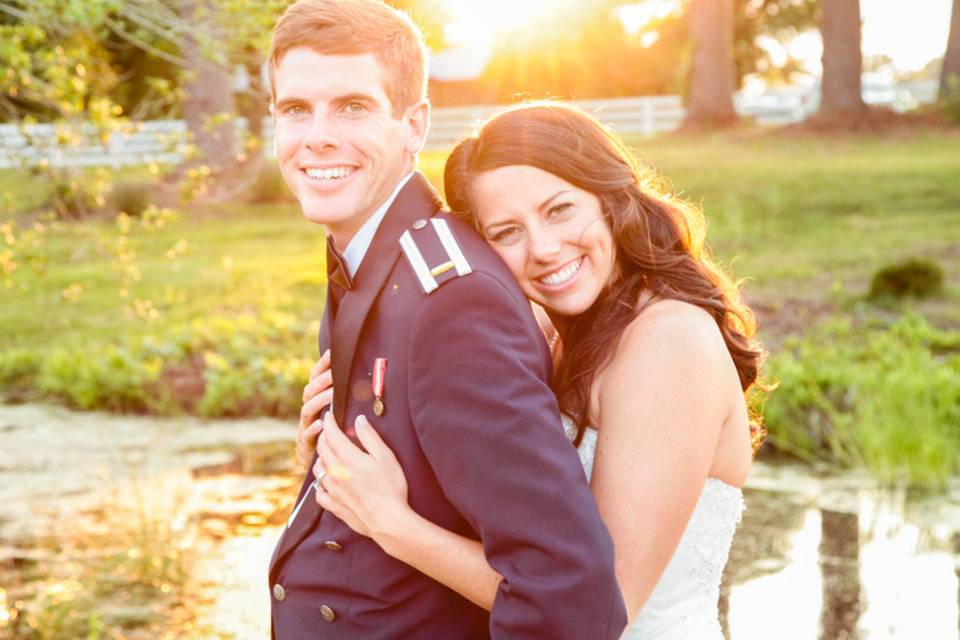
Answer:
(367, 490)
(317, 394)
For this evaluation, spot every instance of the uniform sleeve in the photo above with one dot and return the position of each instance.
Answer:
(490, 427)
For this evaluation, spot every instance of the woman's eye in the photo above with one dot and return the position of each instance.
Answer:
(506, 235)
(559, 209)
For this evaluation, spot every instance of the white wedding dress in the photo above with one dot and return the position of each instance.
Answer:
(683, 605)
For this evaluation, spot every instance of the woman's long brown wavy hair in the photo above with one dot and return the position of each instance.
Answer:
(659, 241)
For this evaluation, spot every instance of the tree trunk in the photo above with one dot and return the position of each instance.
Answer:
(208, 106)
(950, 73)
(842, 61)
(710, 96)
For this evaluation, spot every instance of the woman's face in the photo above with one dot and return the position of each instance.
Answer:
(551, 234)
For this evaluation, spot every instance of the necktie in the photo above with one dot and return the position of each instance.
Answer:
(338, 277)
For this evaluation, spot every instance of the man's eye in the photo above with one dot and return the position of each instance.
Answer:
(293, 110)
(355, 108)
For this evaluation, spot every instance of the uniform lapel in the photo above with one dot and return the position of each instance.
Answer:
(417, 199)
(309, 510)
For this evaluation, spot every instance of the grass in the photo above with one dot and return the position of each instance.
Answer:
(229, 296)
(808, 211)
(122, 570)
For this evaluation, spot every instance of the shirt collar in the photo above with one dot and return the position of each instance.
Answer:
(358, 245)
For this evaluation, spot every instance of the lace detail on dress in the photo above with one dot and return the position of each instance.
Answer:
(588, 445)
(684, 602)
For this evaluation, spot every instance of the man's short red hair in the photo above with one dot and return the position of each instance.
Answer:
(356, 27)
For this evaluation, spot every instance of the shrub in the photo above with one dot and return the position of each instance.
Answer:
(114, 378)
(132, 197)
(269, 186)
(71, 198)
(914, 278)
(18, 367)
(217, 366)
(883, 396)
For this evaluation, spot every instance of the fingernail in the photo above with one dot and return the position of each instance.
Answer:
(362, 421)
(326, 354)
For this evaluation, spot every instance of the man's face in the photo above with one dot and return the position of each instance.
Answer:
(339, 147)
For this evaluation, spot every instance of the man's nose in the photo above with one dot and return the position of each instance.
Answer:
(322, 134)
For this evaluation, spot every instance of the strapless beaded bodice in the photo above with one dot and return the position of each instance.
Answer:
(683, 605)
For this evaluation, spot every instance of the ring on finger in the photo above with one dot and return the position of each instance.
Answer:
(319, 479)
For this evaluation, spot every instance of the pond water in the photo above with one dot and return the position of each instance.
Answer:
(816, 556)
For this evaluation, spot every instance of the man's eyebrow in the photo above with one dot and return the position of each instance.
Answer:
(356, 97)
(546, 203)
(285, 102)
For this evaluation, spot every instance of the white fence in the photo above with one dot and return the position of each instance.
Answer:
(164, 141)
(644, 116)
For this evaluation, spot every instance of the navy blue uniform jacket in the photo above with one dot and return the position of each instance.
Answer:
(470, 417)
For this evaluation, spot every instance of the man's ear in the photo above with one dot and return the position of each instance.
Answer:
(417, 118)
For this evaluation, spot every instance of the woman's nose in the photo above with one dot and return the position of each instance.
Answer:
(544, 246)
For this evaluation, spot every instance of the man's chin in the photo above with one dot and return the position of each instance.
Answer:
(324, 210)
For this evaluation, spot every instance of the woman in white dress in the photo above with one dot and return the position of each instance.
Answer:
(654, 358)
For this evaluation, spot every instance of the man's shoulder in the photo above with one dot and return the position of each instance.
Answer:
(442, 248)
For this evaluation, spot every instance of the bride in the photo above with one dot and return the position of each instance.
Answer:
(653, 359)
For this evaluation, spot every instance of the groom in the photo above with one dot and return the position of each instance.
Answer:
(432, 340)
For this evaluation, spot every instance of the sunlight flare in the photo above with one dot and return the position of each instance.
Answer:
(476, 23)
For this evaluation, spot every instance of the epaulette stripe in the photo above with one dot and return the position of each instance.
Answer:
(419, 265)
(450, 245)
(441, 269)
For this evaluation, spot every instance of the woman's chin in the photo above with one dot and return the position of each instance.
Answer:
(568, 307)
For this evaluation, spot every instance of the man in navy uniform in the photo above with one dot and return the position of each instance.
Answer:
(464, 403)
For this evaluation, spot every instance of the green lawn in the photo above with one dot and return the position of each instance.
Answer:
(806, 220)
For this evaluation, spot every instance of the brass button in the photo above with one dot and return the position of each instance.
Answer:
(333, 545)
(279, 593)
(327, 613)
(419, 224)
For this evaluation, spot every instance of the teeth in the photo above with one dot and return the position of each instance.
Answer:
(335, 173)
(562, 276)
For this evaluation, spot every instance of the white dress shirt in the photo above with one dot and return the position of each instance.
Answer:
(358, 245)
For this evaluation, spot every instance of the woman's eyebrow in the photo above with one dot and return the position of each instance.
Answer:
(494, 225)
(546, 203)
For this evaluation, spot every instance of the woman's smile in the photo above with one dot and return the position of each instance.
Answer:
(561, 277)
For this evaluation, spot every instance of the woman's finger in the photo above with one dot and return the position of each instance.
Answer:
(371, 440)
(313, 406)
(340, 444)
(307, 441)
(314, 429)
(308, 435)
(321, 364)
(325, 455)
(339, 509)
(317, 384)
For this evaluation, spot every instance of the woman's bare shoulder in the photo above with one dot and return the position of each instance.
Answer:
(675, 330)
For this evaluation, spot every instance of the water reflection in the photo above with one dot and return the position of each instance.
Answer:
(813, 557)
(841, 559)
(840, 571)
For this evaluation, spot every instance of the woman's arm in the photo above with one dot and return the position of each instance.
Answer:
(369, 493)
(662, 401)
